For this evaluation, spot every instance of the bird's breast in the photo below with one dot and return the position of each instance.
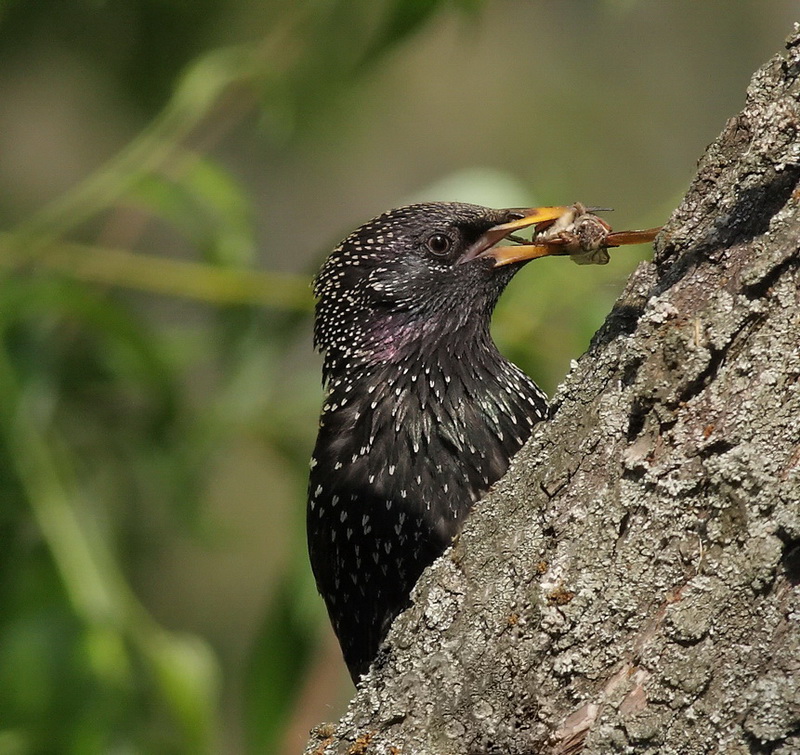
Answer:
(425, 439)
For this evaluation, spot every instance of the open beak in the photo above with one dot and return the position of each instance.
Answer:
(486, 245)
(553, 236)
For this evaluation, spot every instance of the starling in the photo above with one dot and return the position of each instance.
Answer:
(422, 413)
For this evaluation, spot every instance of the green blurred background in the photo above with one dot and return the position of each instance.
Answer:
(171, 174)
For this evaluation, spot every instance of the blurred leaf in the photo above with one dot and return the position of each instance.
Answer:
(107, 655)
(160, 144)
(130, 346)
(187, 674)
(82, 551)
(217, 192)
(280, 657)
(207, 206)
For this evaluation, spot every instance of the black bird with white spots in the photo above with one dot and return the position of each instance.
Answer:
(422, 413)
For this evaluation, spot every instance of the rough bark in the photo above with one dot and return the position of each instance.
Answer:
(632, 584)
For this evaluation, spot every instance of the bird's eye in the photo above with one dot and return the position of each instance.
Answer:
(439, 244)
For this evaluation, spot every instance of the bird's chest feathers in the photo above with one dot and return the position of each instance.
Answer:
(423, 434)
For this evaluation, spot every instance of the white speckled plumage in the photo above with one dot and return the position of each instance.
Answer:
(422, 413)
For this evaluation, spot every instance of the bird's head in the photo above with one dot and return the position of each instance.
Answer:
(416, 276)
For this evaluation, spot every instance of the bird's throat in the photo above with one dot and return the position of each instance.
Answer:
(427, 342)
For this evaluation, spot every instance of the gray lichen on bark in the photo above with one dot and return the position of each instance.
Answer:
(631, 585)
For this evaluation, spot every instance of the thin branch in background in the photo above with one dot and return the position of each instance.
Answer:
(162, 275)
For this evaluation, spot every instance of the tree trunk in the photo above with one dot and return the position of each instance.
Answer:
(631, 585)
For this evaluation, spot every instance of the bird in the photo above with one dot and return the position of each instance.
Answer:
(422, 414)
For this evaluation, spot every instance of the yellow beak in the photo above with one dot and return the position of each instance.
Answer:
(550, 220)
(485, 246)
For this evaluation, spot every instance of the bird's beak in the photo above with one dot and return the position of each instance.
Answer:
(547, 222)
(485, 246)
